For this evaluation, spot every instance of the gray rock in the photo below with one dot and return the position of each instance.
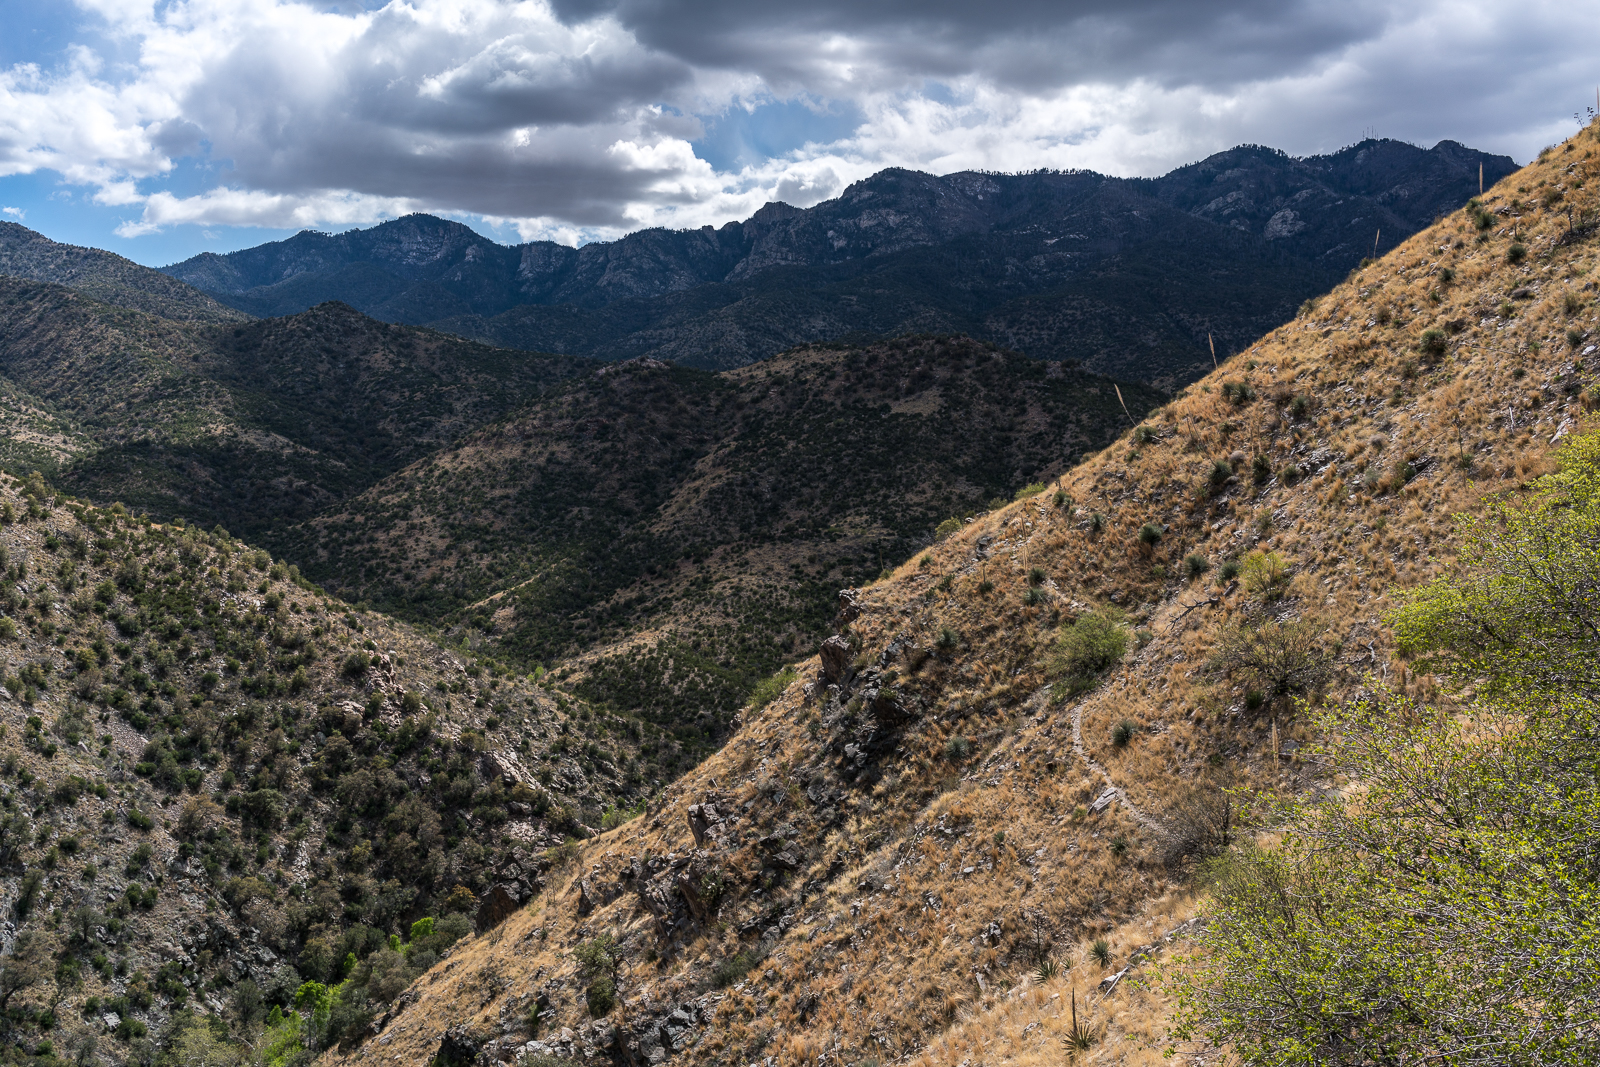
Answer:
(835, 654)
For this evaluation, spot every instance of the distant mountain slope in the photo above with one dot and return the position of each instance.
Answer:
(106, 276)
(967, 828)
(646, 513)
(218, 781)
(1254, 230)
(252, 425)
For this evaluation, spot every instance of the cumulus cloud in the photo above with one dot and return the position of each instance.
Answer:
(574, 119)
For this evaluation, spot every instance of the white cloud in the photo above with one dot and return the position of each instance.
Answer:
(577, 123)
(14, 212)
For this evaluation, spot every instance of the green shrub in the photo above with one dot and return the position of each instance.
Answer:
(1261, 470)
(1221, 471)
(1036, 575)
(1033, 596)
(956, 748)
(946, 528)
(1516, 253)
(734, 968)
(769, 689)
(601, 996)
(1276, 660)
(1123, 732)
(1150, 534)
(1265, 574)
(947, 638)
(1100, 951)
(1434, 343)
(1089, 647)
(1196, 564)
(1031, 489)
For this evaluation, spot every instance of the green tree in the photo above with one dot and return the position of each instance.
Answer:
(1088, 648)
(1449, 911)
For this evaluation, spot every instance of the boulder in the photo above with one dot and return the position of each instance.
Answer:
(835, 654)
(849, 606)
(498, 905)
(459, 1045)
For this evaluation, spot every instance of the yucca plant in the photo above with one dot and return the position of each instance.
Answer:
(1080, 1037)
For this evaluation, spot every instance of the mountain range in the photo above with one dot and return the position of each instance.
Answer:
(876, 699)
(1136, 278)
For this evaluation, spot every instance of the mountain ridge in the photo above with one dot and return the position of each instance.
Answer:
(1300, 215)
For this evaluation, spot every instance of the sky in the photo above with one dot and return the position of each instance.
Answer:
(163, 128)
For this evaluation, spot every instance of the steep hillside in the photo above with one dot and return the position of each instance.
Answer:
(218, 781)
(1017, 742)
(107, 277)
(1127, 276)
(683, 532)
(253, 425)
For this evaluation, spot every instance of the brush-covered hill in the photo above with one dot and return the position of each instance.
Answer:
(252, 424)
(106, 277)
(218, 781)
(674, 536)
(970, 821)
(1128, 276)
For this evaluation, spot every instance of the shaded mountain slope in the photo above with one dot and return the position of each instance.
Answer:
(253, 425)
(218, 781)
(647, 513)
(971, 780)
(107, 277)
(1253, 230)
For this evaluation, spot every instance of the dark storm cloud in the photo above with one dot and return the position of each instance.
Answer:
(1023, 43)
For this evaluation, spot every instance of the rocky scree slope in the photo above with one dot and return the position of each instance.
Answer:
(107, 277)
(969, 782)
(672, 536)
(218, 781)
(1127, 276)
(253, 425)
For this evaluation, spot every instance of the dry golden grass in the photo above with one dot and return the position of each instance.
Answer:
(925, 896)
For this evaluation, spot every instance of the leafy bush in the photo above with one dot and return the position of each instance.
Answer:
(769, 689)
(1434, 343)
(957, 748)
(1278, 659)
(1265, 574)
(734, 968)
(1197, 822)
(946, 528)
(1088, 648)
(1031, 489)
(1123, 733)
(1196, 564)
(1150, 534)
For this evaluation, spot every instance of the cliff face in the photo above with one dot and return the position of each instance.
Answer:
(1077, 265)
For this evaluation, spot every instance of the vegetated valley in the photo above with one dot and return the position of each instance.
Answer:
(968, 830)
(671, 536)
